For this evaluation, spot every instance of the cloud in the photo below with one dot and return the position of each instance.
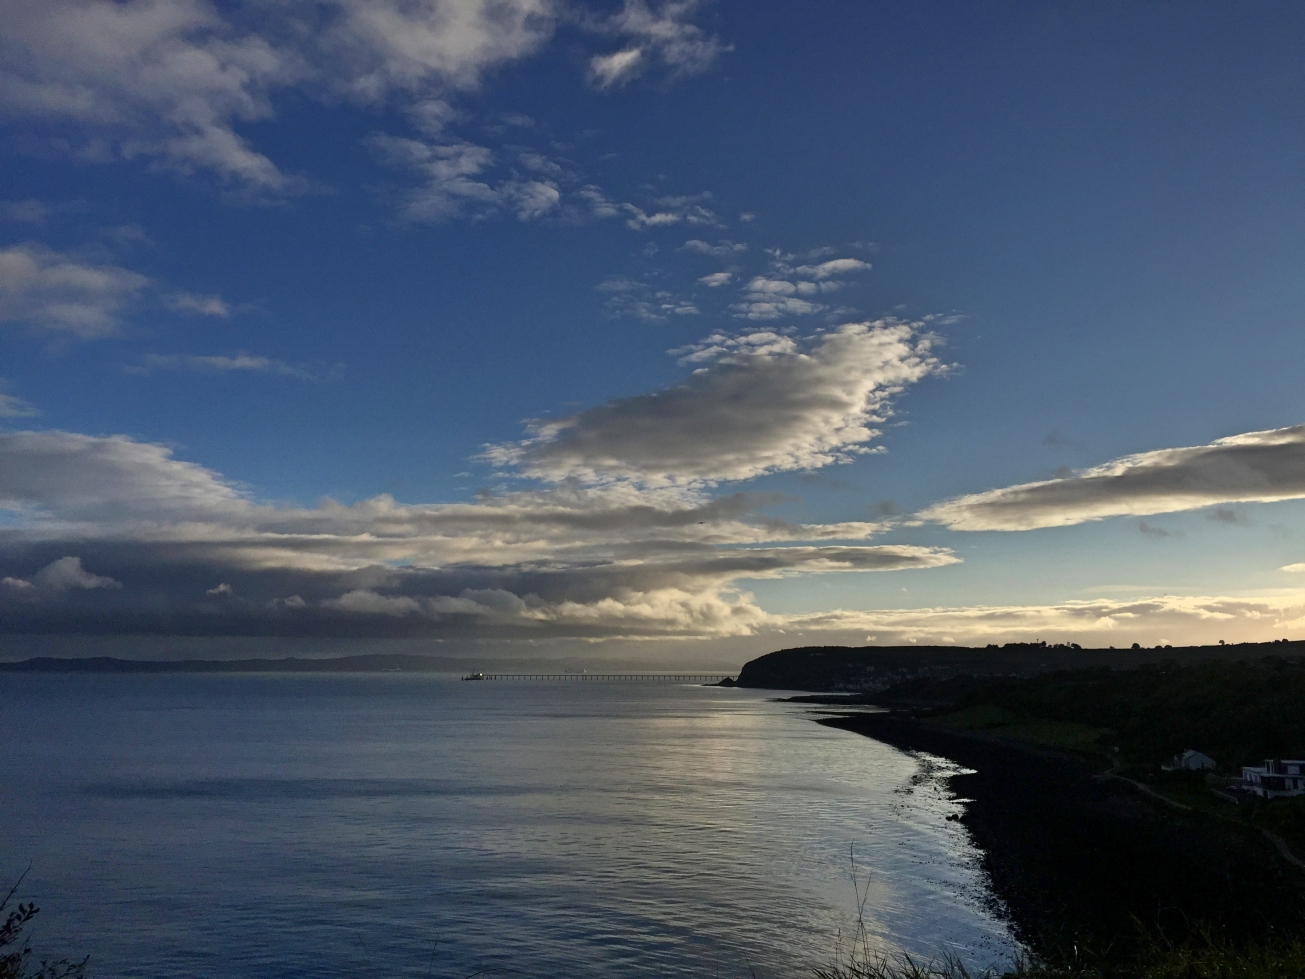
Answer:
(417, 46)
(12, 406)
(173, 79)
(722, 249)
(1257, 467)
(54, 292)
(760, 306)
(1293, 568)
(62, 479)
(654, 33)
(717, 279)
(29, 211)
(582, 562)
(1155, 533)
(196, 305)
(615, 69)
(220, 364)
(788, 290)
(597, 203)
(764, 404)
(164, 78)
(59, 576)
(671, 211)
(627, 297)
(154, 533)
(459, 180)
(1197, 620)
(832, 268)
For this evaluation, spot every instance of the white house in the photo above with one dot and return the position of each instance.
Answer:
(1278, 777)
(1190, 760)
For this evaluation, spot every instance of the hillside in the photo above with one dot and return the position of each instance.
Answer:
(876, 668)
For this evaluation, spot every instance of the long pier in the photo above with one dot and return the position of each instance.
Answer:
(663, 677)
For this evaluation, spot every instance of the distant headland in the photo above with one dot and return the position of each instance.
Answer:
(869, 669)
(369, 663)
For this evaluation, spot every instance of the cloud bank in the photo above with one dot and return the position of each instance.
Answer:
(1256, 467)
(111, 534)
(1176, 620)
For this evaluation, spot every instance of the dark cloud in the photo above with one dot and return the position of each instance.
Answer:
(108, 535)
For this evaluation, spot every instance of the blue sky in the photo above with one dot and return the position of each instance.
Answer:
(697, 326)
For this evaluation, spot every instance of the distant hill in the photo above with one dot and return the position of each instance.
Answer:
(373, 663)
(875, 668)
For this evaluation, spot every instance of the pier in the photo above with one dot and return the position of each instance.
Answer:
(662, 677)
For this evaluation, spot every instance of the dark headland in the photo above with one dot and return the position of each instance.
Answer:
(1067, 795)
(873, 668)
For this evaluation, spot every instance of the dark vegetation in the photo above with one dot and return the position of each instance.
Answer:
(1101, 880)
(1237, 713)
(876, 668)
(17, 960)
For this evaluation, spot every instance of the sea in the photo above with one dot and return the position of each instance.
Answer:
(263, 825)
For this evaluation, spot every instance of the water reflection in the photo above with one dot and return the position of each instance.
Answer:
(292, 826)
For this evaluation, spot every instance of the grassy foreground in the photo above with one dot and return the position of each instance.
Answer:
(1277, 959)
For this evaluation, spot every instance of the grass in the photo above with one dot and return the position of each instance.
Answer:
(1005, 723)
(1207, 958)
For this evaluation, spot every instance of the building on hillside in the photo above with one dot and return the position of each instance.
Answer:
(1190, 760)
(1278, 777)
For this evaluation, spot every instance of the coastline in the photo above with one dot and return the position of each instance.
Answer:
(1089, 866)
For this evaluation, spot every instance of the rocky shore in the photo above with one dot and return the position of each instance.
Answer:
(1088, 863)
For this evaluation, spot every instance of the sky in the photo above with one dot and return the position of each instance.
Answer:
(679, 330)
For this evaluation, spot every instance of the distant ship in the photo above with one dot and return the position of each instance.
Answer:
(474, 676)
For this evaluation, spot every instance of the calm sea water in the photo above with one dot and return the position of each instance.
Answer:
(402, 825)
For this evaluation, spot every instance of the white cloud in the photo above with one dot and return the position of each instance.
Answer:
(173, 79)
(760, 306)
(55, 292)
(717, 279)
(1293, 568)
(672, 211)
(1196, 620)
(60, 576)
(423, 44)
(165, 78)
(70, 478)
(67, 573)
(722, 249)
(606, 70)
(787, 290)
(662, 33)
(834, 267)
(12, 406)
(627, 297)
(459, 180)
(758, 408)
(598, 203)
(221, 364)
(196, 305)
(1254, 467)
